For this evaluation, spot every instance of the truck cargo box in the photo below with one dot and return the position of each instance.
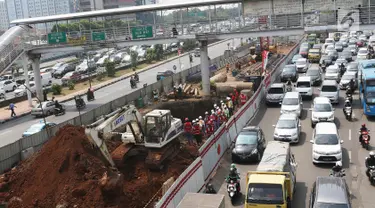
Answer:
(197, 200)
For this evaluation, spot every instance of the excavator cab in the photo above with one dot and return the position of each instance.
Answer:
(158, 123)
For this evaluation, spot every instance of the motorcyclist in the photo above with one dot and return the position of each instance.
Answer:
(132, 82)
(79, 101)
(289, 85)
(191, 58)
(348, 91)
(351, 84)
(234, 176)
(337, 168)
(363, 129)
(347, 105)
(210, 189)
(57, 105)
(90, 94)
(370, 162)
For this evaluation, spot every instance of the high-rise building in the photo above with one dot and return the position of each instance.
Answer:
(90, 5)
(4, 20)
(17, 9)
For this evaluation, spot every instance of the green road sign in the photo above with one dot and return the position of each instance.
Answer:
(98, 36)
(56, 38)
(196, 14)
(142, 32)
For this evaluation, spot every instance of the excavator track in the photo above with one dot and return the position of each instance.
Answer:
(157, 158)
(125, 152)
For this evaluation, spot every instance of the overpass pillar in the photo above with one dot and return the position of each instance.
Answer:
(35, 63)
(27, 81)
(205, 68)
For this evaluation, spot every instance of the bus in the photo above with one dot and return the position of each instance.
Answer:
(311, 39)
(366, 80)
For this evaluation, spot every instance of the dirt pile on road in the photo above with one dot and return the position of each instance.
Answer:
(68, 172)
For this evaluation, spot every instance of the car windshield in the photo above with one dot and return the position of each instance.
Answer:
(338, 44)
(247, 138)
(303, 84)
(263, 193)
(286, 124)
(276, 90)
(312, 72)
(326, 139)
(330, 47)
(329, 205)
(332, 53)
(326, 57)
(332, 70)
(362, 52)
(289, 69)
(322, 107)
(297, 57)
(339, 61)
(329, 88)
(314, 52)
(304, 50)
(352, 46)
(290, 101)
(330, 41)
(34, 128)
(301, 62)
(347, 77)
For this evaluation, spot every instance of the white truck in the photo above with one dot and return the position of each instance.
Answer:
(198, 200)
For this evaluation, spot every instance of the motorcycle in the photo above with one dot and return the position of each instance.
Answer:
(136, 78)
(348, 113)
(133, 84)
(342, 70)
(337, 173)
(59, 111)
(80, 104)
(371, 175)
(232, 190)
(365, 139)
(289, 88)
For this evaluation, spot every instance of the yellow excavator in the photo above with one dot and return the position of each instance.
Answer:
(157, 132)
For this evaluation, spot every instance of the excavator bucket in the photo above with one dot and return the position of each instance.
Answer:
(156, 157)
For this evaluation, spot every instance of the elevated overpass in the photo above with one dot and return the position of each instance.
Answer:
(25, 36)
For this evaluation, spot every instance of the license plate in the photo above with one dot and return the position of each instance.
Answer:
(327, 159)
(323, 119)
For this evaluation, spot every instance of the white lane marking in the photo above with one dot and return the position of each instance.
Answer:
(350, 134)
(350, 156)
(5, 132)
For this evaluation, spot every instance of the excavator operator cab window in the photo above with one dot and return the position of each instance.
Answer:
(153, 129)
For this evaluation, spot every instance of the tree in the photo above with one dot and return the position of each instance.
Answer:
(134, 58)
(87, 25)
(150, 55)
(159, 51)
(110, 68)
(189, 45)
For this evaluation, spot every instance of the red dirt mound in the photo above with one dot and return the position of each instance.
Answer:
(69, 172)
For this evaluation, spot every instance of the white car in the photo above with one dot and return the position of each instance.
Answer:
(102, 60)
(362, 54)
(326, 143)
(44, 109)
(339, 47)
(287, 129)
(21, 90)
(292, 104)
(8, 85)
(302, 65)
(353, 49)
(332, 73)
(330, 48)
(322, 111)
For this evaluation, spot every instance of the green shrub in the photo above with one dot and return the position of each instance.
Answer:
(100, 76)
(56, 89)
(110, 68)
(71, 85)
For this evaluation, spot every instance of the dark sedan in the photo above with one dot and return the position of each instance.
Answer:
(289, 72)
(250, 145)
(347, 55)
(162, 75)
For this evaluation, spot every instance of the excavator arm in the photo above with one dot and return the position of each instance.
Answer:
(97, 131)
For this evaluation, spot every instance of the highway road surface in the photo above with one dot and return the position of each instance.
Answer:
(12, 130)
(353, 155)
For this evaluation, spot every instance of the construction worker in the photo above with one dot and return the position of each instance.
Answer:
(215, 106)
(210, 128)
(223, 118)
(230, 106)
(188, 131)
(206, 117)
(243, 99)
(203, 125)
(226, 112)
(222, 104)
(197, 132)
(234, 99)
(213, 118)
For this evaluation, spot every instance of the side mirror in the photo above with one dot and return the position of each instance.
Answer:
(280, 103)
(301, 103)
(311, 141)
(299, 125)
(342, 141)
(274, 125)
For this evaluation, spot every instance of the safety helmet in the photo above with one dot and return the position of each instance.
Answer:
(211, 120)
(200, 117)
(209, 186)
(186, 119)
(221, 101)
(232, 165)
(218, 108)
(193, 121)
(347, 100)
(372, 154)
(206, 113)
(339, 164)
(228, 98)
(363, 125)
(215, 105)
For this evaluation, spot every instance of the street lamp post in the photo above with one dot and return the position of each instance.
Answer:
(41, 107)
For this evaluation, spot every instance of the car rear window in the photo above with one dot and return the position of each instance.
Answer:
(276, 90)
(303, 84)
(329, 88)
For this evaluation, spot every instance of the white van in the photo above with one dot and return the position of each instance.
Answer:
(330, 89)
(371, 41)
(304, 86)
(46, 78)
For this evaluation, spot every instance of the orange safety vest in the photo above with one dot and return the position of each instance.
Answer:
(196, 129)
(243, 99)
